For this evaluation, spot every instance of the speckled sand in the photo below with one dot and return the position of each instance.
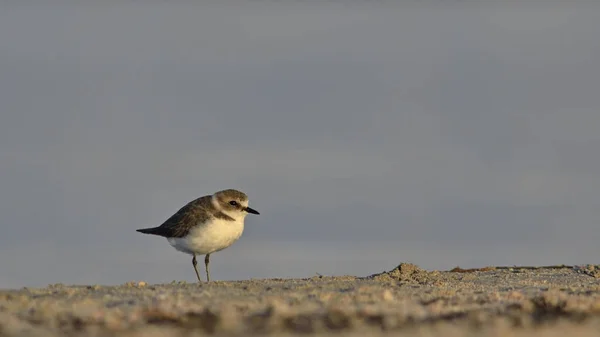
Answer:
(489, 302)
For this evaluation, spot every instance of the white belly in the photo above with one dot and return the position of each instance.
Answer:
(210, 237)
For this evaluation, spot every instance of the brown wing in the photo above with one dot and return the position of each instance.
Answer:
(180, 223)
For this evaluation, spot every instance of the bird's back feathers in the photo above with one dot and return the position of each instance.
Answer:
(193, 214)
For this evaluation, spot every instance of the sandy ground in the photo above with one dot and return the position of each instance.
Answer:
(550, 301)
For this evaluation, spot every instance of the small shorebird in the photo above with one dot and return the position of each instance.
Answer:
(206, 225)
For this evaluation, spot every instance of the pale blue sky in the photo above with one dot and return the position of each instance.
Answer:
(367, 133)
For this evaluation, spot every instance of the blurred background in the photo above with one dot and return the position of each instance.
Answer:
(367, 133)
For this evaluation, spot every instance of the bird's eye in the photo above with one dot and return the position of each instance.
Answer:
(233, 203)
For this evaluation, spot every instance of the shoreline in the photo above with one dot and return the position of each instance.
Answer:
(407, 299)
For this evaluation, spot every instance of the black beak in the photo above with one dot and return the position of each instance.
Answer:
(251, 210)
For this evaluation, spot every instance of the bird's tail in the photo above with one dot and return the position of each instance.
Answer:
(153, 230)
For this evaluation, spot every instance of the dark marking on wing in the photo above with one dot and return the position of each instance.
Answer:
(180, 223)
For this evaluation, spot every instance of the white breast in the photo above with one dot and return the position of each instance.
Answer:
(210, 237)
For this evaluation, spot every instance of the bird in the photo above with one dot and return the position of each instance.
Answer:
(206, 225)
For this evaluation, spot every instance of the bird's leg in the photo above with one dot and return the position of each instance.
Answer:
(206, 262)
(195, 263)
